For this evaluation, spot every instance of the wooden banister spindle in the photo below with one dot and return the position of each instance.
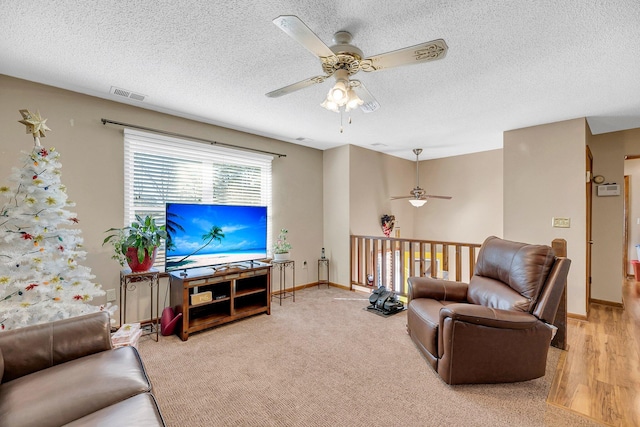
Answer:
(458, 263)
(560, 321)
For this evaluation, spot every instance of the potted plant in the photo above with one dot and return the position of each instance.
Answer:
(281, 247)
(137, 244)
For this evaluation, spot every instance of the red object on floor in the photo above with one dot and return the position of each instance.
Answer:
(636, 269)
(168, 321)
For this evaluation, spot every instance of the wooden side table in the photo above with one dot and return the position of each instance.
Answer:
(324, 263)
(129, 282)
(281, 266)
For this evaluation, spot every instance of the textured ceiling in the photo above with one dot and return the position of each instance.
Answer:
(510, 64)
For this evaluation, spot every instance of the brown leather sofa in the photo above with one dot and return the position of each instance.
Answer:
(67, 373)
(495, 328)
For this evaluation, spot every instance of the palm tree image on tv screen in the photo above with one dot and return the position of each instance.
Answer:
(202, 235)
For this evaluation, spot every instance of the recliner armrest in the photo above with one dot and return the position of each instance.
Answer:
(485, 316)
(438, 289)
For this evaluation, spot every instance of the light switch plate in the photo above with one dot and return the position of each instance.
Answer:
(111, 295)
(559, 222)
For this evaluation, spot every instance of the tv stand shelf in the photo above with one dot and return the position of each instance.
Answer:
(237, 292)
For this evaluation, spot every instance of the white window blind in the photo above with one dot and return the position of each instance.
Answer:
(160, 169)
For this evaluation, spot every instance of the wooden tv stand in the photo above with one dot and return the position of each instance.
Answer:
(237, 291)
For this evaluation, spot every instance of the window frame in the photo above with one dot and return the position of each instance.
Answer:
(183, 149)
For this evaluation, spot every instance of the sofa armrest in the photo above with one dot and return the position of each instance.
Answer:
(438, 289)
(485, 316)
(33, 348)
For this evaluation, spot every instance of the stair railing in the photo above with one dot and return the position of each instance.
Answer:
(390, 261)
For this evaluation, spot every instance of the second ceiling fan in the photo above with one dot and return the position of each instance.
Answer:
(343, 60)
(419, 196)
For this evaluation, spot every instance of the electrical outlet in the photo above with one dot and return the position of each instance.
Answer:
(561, 222)
(111, 295)
(304, 265)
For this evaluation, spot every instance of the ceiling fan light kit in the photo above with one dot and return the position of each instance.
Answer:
(417, 202)
(343, 60)
(418, 196)
(338, 97)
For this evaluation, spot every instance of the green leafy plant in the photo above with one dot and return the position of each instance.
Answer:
(281, 246)
(143, 234)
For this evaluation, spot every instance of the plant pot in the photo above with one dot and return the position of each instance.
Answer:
(145, 265)
(281, 257)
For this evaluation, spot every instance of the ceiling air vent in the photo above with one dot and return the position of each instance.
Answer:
(127, 94)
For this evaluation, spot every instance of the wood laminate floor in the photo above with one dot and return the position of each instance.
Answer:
(599, 375)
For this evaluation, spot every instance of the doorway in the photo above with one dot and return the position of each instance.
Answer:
(631, 213)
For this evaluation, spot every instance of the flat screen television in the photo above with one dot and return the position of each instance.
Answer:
(202, 235)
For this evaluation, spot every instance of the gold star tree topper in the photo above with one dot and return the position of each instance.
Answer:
(35, 124)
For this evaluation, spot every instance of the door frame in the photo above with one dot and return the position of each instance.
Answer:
(625, 249)
(589, 200)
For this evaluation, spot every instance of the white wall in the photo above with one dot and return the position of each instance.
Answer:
(475, 211)
(544, 177)
(336, 213)
(607, 221)
(92, 169)
(374, 177)
(474, 181)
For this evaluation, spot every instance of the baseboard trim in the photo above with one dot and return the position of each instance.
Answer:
(577, 316)
(609, 303)
(310, 285)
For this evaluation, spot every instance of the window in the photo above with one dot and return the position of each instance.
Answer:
(160, 169)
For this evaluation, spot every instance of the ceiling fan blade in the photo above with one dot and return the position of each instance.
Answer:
(370, 104)
(429, 51)
(298, 30)
(296, 86)
(426, 196)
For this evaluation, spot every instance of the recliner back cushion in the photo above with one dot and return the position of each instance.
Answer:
(523, 267)
(495, 294)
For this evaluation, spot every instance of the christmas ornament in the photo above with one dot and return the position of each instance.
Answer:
(35, 124)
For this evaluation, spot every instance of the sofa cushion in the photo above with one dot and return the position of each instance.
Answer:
(522, 266)
(139, 411)
(71, 390)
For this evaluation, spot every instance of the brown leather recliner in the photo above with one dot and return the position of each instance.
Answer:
(497, 327)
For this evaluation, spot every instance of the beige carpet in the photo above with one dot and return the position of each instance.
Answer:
(324, 361)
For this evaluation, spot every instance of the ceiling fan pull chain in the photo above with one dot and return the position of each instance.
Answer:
(341, 126)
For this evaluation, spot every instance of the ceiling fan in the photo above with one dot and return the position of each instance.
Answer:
(343, 60)
(418, 196)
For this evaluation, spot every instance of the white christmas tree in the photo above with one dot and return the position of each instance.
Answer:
(41, 279)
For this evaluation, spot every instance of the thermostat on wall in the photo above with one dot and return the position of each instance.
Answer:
(608, 190)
